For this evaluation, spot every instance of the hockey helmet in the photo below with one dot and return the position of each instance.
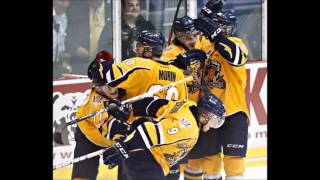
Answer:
(98, 68)
(212, 109)
(152, 39)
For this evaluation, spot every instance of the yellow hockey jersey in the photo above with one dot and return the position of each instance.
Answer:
(173, 136)
(138, 75)
(90, 127)
(225, 80)
(170, 53)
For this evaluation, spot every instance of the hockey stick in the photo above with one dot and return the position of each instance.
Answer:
(174, 19)
(81, 158)
(75, 76)
(57, 136)
(147, 94)
(100, 152)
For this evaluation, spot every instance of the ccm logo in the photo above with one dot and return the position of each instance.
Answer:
(207, 10)
(235, 146)
(123, 152)
(216, 33)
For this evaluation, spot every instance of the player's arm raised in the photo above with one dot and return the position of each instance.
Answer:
(231, 51)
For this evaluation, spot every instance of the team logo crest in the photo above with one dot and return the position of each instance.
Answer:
(196, 74)
(213, 77)
(175, 157)
(185, 123)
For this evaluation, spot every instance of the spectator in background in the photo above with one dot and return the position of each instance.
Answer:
(132, 24)
(87, 18)
(59, 35)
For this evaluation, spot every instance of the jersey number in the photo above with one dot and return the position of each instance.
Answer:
(172, 93)
(129, 62)
(173, 130)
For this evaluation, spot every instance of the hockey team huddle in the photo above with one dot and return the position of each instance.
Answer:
(192, 129)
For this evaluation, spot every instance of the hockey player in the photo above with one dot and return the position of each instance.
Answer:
(140, 74)
(130, 78)
(225, 76)
(186, 40)
(143, 73)
(99, 131)
(154, 147)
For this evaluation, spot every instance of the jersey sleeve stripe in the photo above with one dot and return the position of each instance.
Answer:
(147, 109)
(144, 137)
(231, 51)
(109, 79)
(109, 125)
(158, 134)
(125, 76)
(236, 59)
(240, 59)
(243, 58)
(119, 69)
(147, 134)
(161, 136)
(110, 75)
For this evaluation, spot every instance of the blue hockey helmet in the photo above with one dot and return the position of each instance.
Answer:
(212, 109)
(98, 68)
(154, 40)
(183, 24)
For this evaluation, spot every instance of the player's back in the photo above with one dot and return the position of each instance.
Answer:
(177, 133)
(139, 75)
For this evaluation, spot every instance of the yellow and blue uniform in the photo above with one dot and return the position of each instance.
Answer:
(135, 76)
(94, 134)
(94, 128)
(225, 76)
(139, 75)
(171, 53)
(168, 139)
(228, 77)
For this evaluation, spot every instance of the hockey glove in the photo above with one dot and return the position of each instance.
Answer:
(115, 154)
(183, 60)
(118, 111)
(116, 129)
(209, 28)
(212, 7)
